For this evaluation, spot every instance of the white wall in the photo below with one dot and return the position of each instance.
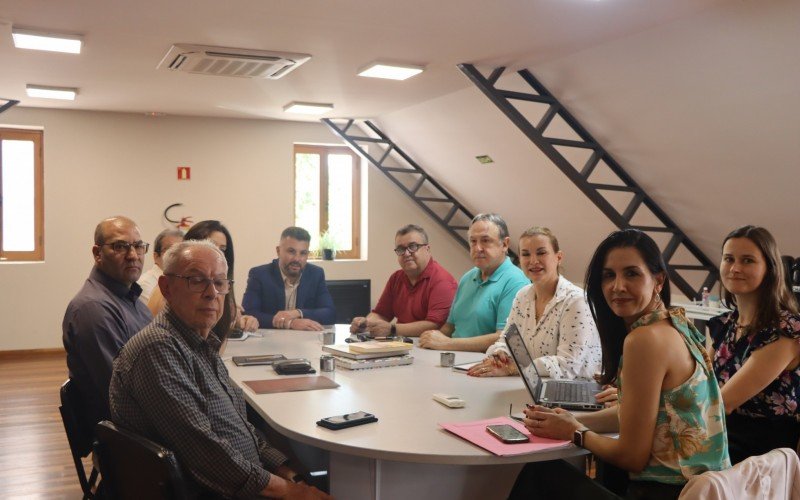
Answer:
(102, 164)
(702, 112)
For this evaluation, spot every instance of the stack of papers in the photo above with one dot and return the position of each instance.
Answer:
(364, 364)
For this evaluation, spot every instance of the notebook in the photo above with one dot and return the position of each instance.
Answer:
(290, 384)
(345, 352)
(375, 346)
(475, 432)
(567, 394)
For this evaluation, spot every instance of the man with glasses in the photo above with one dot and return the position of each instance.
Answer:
(485, 292)
(419, 294)
(289, 293)
(105, 313)
(170, 385)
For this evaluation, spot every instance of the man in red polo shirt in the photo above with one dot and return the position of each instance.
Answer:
(419, 294)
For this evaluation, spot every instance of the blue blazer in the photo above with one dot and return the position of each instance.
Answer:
(265, 294)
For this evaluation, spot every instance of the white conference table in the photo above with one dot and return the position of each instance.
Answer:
(405, 454)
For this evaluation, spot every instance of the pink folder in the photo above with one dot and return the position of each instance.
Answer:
(475, 432)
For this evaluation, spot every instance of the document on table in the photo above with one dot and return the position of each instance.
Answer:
(475, 432)
(290, 384)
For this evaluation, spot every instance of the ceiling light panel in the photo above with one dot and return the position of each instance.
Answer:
(64, 93)
(36, 40)
(307, 108)
(390, 71)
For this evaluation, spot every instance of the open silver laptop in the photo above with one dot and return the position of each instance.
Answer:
(567, 394)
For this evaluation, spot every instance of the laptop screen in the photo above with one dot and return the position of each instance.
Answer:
(524, 361)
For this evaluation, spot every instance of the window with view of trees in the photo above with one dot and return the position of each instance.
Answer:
(21, 195)
(328, 197)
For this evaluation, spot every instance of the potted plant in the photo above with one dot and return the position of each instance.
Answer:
(328, 245)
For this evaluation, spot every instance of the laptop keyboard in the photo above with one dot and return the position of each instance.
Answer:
(568, 393)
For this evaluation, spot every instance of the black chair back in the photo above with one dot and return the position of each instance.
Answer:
(134, 467)
(79, 434)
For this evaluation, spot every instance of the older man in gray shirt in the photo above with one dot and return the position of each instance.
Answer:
(105, 313)
(170, 385)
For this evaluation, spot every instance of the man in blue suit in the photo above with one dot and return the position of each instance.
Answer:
(289, 293)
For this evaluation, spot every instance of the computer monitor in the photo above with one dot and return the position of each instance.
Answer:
(351, 298)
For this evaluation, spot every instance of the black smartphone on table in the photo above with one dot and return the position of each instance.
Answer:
(348, 420)
(507, 433)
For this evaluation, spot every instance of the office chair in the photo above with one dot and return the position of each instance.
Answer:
(79, 435)
(134, 467)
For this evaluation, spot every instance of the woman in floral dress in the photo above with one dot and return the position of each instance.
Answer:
(756, 348)
(670, 417)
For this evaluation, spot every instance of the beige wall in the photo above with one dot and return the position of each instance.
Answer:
(101, 164)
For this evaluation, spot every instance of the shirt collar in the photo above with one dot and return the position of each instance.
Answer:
(424, 275)
(285, 278)
(497, 272)
(117, 288)
(191, 337)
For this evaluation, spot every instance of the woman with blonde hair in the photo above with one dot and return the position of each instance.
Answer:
(551, 314)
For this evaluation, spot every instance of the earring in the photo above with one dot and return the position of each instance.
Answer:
(657, 298)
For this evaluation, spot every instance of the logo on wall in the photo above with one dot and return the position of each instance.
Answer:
(182, 223)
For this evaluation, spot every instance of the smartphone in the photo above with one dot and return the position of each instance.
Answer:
(262, 359)
(507, 433)
(348, 420)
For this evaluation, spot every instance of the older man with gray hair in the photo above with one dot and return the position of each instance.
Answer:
(170, 385)
(485, 293)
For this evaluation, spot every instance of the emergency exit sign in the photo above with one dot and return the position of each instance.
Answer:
(184, 173)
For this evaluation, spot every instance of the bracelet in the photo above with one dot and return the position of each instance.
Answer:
(289, 324)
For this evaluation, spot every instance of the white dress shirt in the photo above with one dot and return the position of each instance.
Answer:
(148, 281)
(564, 343)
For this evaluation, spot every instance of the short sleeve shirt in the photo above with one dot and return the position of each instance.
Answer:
(482, 307)
(429, 299)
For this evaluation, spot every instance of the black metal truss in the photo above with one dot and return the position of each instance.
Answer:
(8, 104)
(434, 199)
(580, 174)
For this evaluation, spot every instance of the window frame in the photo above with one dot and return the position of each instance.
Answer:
(323, 152)
(37, 136)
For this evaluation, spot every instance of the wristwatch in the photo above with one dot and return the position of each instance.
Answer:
(577, 437)
(393, 330)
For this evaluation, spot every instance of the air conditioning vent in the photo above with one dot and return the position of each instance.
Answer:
(223, 61)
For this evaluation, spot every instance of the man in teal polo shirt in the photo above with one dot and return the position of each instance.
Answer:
(485, 293)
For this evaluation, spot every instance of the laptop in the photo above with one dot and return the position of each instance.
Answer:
(568, 394)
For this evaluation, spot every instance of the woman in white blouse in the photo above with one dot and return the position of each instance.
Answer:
(552, 315)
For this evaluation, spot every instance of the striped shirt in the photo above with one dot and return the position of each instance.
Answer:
(170, 385)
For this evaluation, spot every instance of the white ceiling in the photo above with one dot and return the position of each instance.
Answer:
(125, 40)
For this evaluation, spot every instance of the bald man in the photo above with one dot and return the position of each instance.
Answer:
(106, 312)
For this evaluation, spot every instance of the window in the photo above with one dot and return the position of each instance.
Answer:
(328, 196)
(21, 195)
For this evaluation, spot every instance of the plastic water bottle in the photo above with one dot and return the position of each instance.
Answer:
(704, 301)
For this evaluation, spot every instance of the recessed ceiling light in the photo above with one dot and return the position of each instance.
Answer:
(390, 71)
(307, 108)
(27, 39)
(65, 93)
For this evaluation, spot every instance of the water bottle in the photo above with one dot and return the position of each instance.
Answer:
(704, 301)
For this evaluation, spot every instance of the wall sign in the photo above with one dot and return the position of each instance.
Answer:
(184, 173)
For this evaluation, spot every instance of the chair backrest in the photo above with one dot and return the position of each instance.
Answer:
(774, 475)
(79, 433)
(134, 467)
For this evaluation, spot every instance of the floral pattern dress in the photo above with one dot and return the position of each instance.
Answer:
(780, 398)
(690, 435)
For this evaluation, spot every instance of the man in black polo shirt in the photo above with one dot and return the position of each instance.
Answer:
(106, 312)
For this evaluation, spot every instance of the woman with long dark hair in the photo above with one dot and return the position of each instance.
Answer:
(670, 417)
(756, 347)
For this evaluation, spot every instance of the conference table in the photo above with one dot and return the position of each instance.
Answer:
(405, 454)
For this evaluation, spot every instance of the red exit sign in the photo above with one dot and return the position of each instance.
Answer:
(184, 173)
